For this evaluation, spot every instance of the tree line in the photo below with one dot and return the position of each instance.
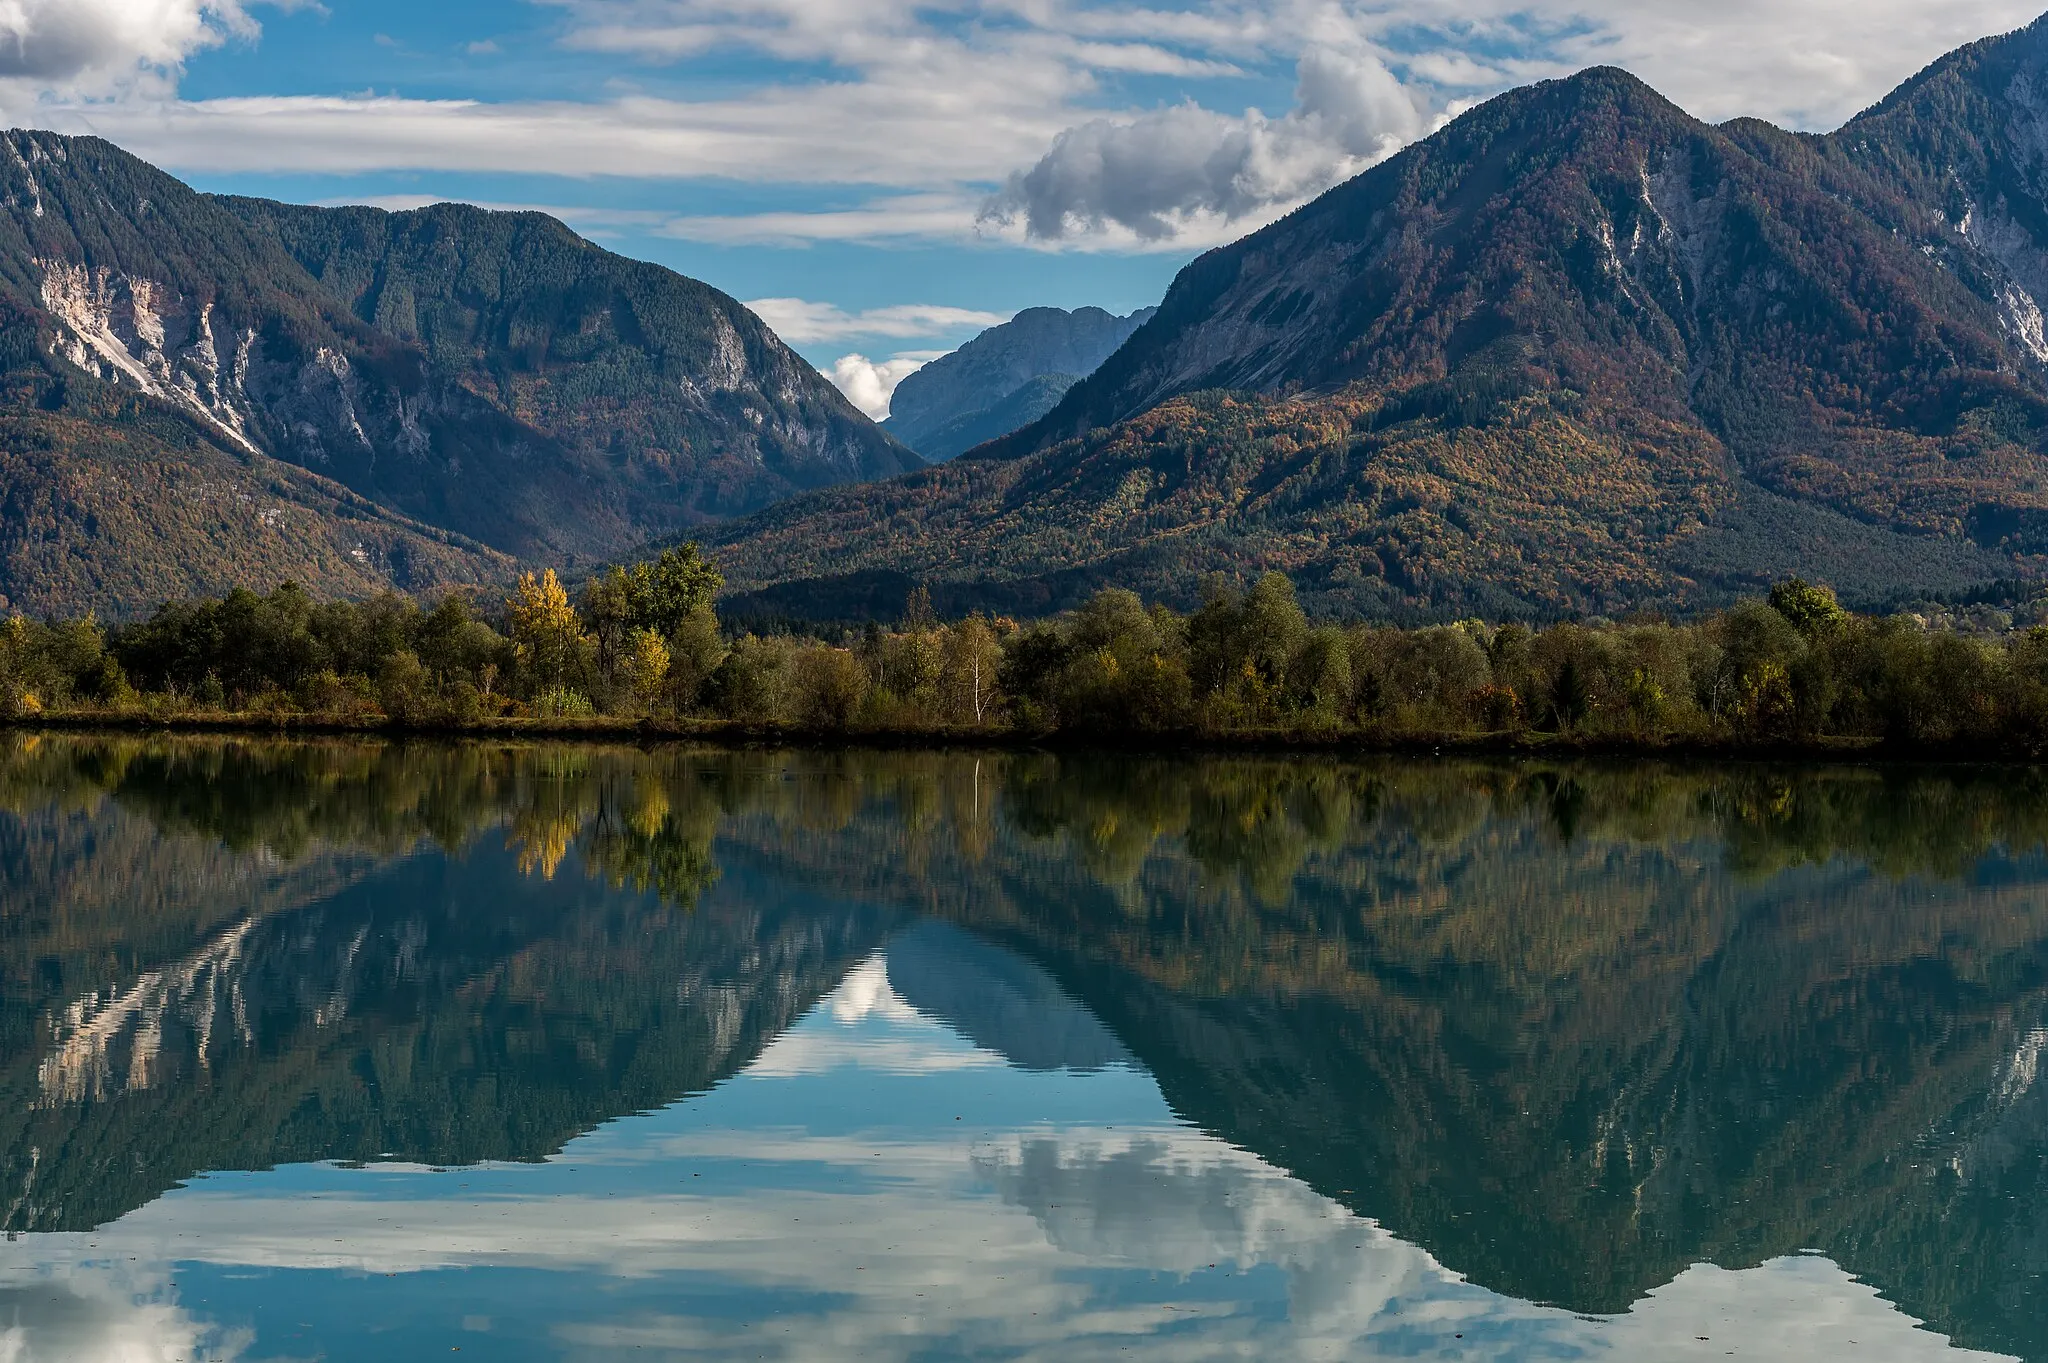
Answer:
(643, 643)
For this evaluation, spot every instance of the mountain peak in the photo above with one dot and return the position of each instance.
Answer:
(488, 378)
(1005, 378)
(1576, 350)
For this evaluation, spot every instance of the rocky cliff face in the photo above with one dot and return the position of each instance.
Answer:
(658, 383)
(488, 379)
(1004, 379)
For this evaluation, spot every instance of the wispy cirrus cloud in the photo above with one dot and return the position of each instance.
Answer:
(795, 319)
(882, 219)
(828, 134)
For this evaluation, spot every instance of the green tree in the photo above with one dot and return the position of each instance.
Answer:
(610, 611)
(1813, 610)
(402, 685)
(827, 687)
(1319, 679)
(672, 589)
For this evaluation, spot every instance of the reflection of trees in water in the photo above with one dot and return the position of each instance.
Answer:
(1572, 1026)
(1256, 820)
(634, 822)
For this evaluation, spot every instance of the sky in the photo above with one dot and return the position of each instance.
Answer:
(882, 179)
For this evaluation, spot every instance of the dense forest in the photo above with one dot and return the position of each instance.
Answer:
(643, 646)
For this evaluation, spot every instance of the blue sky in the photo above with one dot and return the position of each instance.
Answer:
(883, 178)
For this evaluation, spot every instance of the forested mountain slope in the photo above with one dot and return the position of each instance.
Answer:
(1576, 351)
(474, 387)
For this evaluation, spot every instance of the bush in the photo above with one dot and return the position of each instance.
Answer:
(827, 687)
(560, 702)
(748, 685)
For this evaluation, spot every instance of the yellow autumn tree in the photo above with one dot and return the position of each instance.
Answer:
(547, 631)
(647, 667)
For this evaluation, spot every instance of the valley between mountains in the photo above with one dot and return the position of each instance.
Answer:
(1575, 353)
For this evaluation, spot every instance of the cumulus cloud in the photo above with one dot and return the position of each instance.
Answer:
(870, 384)
(79, 1311)
(1155, 175)
(99, 47)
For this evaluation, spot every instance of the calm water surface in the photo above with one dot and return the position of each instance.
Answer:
(353, 1052)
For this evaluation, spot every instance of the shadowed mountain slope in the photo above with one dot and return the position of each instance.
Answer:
(1568, 354)
(475, 387)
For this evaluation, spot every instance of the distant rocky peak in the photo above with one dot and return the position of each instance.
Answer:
(1000, 375)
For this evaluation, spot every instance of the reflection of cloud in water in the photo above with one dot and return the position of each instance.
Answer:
(91, 1314)
(1111, 1234)
(1183, 1202)
(876, 1030)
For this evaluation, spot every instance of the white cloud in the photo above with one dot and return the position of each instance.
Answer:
(98, 1311)
(1809, 65)
(822, 133)
(869, 384)
(890, 218)
(1154, 175)
(99, 47)
(802, 322)
(890, 1235)
(930, 105)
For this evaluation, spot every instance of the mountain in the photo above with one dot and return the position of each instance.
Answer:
(1004, 379)
(1575, 352)
(412, 399)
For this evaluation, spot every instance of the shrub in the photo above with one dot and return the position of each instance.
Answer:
(560, 702)
(748, 685)
(827, 687)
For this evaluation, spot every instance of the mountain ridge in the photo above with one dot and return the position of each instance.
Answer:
(1005, 378)
(535, 399)
(1556, 358)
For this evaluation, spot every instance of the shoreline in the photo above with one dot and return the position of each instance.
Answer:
(732, 733)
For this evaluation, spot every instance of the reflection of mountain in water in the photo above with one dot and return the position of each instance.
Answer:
(998, 1000)
(1567, 1029)
(422, 1006)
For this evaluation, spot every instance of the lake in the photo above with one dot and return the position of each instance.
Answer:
(357, 1051)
